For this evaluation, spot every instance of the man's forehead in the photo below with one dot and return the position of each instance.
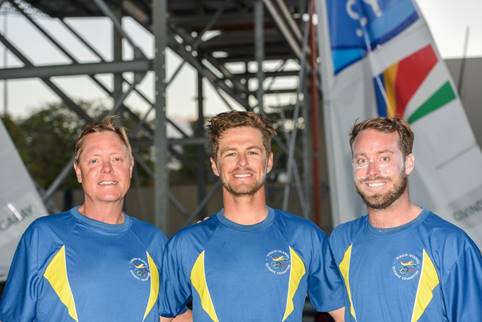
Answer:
(103, 141)
(373, 139)
(241, 134)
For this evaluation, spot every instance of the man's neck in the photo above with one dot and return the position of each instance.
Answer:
(245, 210)
(109, 213)
(401, 212)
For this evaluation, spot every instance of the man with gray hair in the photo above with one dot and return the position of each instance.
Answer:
(93, 262)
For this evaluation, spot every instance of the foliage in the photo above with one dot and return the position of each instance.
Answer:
(45, 140)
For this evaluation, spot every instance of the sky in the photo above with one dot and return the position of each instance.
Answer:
(447, 19)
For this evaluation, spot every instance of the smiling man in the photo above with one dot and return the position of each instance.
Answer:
(401, 263)
(93, 262)
(248, 262)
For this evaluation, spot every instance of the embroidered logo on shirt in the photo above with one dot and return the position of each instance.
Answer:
(406, 266)
(139, 269)
(277, 262)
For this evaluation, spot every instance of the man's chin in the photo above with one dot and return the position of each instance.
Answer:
(241, 191)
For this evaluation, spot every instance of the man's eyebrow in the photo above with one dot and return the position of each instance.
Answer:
(363, 154)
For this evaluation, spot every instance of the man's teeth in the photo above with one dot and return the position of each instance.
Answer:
(107, 182)
(242, 175)
(376, 184)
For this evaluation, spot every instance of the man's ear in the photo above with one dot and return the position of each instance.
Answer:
(78, 173)
(131, 168)
(214, 166)
(269, 164)
(409, 163)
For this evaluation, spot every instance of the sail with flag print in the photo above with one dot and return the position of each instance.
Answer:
(378, 58)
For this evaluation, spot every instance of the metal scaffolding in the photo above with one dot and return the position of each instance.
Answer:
(236, 46)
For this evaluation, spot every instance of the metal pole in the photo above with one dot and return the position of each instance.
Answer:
(291, 166)
(460, 81)
(307, 153)
(201, 169)
(315, 122)
(259, 48)
(5, 63)
(117, 55)
(161, 177)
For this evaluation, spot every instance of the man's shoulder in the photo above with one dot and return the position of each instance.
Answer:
(443, 232)
(147, 232)
(295, 221)
(345, 234)
(199, 231)
(145, 228)
(350, 228)
(58, 221)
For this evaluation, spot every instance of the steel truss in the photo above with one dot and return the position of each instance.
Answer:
(249, 36)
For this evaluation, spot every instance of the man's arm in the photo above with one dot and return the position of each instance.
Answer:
(19, 297)
(184, 317)
(338, 315)
(462, 285)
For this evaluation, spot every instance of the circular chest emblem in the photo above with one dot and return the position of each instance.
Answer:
(139, 269)
(406, 266)
(277, 262)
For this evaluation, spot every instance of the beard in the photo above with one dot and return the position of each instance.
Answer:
(383, 201)
(243, 189)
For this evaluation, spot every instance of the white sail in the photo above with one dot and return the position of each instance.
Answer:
(378, 58)
(20, 203)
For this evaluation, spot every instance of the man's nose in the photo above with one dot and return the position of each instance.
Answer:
(106, 166)
(242, 159)
(373, 168)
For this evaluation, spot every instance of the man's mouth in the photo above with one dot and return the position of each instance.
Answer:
(107, 182)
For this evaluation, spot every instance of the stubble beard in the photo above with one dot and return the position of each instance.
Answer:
(383, 201)
(243, 190)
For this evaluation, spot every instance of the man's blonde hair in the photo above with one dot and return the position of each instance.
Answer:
(108, 124)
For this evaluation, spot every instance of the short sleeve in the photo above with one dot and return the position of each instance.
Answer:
(462, 286)
(325, 286)
(19, 297)
(157, 247)
(175, 289)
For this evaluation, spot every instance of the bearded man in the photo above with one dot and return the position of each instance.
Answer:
(401, 262)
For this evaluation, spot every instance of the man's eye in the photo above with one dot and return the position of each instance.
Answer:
(92, 161)
(253, 152)
(361, 162)
(384, 159)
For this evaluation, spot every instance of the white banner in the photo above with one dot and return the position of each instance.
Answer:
(378, 59)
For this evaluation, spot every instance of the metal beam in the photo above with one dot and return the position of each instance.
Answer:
(259, 48)
(161, 177)
(76, 69)
(64, 97)
(290, 37)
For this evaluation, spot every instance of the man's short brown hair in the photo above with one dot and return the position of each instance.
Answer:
(228, 120)
(110, 124)
(387, 125)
